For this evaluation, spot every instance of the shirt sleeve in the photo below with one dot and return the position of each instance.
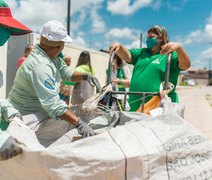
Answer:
(135, 53)
(44, 84)
(7, 109)
(65, 71)
(175, 62)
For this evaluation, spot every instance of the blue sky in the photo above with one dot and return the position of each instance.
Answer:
(98, 23)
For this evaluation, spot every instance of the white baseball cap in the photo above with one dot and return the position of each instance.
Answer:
(55, 31)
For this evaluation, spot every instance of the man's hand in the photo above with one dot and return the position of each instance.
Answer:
(10, 148)
(93, 81)
(83, 129)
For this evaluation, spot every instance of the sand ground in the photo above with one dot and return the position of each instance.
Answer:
(198, 107)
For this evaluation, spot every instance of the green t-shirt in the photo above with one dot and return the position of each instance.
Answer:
(149, 72)
(120, 75)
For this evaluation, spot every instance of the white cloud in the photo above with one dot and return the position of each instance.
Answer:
(126, 33)
(125, 7)
(98, 25)
(130, 38)
(76, 24)
(134, 44)
(208, 33)
(203, 59)
(194, 36)
(87, 10)
(207, 54)
(156, 5)
(203, 35)
(176, 5)
(84, 4)
(34, 13)
(209, 19)
(128, 7)
(81, 33)
(99, 45)
(78, 40)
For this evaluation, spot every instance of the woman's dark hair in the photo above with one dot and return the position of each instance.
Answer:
(160, 31)
(84, 58)
(118, 60)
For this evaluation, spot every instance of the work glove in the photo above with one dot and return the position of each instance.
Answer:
(10, 148)
(93, 81)
(83, 129)
(18, 115)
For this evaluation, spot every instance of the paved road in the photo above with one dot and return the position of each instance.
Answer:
(198, 103)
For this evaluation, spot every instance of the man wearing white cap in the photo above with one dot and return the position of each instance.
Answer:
(9, 146)
(36, 86)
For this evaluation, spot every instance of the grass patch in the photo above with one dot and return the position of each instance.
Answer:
(183, 84)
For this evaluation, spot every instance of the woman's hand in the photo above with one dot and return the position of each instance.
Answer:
(121, 51)
(169, 47)
(125, 82)
(116, 80)
(183, 58)
(114, 47)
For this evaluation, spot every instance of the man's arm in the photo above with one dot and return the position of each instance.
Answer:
(67, 75)
(77, 77)
(69, 117)
(7, 110)
(82, 128)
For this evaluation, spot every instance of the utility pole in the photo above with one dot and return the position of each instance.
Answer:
(209, 74)
(141, 40)
(69, 16)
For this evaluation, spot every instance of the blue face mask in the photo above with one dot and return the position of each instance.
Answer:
(151, 42)
(5, 35)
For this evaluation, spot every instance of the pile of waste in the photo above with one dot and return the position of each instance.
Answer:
(128, 146)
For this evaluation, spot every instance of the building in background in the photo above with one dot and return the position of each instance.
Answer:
(194, 76)
(13, 49)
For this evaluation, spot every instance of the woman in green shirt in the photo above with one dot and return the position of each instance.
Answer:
(150, 64)
(83, 90)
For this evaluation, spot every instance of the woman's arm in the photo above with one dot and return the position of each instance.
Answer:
(123, 81)
(183, 58)
(121, 51)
